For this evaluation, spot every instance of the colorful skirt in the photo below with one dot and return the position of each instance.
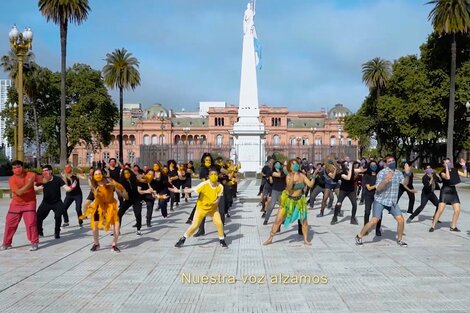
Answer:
(294, 208)
(102, 213)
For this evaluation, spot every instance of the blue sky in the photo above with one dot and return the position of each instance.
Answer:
(190, 50)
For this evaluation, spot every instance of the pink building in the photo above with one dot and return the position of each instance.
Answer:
(157, 133)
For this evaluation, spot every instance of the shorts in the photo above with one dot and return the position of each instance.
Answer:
(379, 207)
(267, 189)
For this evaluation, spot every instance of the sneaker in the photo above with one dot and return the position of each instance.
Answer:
(265, 223)
(263, 215)
(139, 233)
(34, 247)
(149, 224)
(455, 229)
(135, 225)
(359, 241)
(115, 249)
(180, 242)
(320, 214)
(408, 220)
(341, 213)
(354, 221)
(189, 221)
(402, 243)
(5, 247)
(334, 220)
(431, 229)
(41, 234)
(223, 244)
(378, 232)
(80, 225)
(94, 247)
(57, 236)
(65, 224)
(227, 215)
(200, 233)
(361, 203)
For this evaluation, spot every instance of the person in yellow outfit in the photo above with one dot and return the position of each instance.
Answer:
(104, 209)
(210, 193)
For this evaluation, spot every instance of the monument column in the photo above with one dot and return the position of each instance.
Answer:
(249, 132)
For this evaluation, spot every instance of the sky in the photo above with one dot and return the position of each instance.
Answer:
(190, 50)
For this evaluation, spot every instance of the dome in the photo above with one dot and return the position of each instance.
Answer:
(338, 111)
(156, 110)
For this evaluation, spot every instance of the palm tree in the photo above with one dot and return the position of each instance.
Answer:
(376, 73)
(61, 12)
(121, 72)
(450, 17)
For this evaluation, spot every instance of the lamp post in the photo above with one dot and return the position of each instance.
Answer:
(20, 43)
(313, 130)
(15, 131)
(161, 116)
(298, 146)
(186, 131)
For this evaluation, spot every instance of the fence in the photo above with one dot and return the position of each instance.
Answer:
(183, 153)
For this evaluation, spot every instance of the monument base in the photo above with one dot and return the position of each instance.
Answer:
(248, 148)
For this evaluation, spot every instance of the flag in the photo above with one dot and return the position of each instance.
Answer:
(258, 51)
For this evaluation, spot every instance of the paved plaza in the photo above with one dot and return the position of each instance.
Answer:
(151, 275)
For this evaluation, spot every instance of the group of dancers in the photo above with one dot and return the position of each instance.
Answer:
(162, 184)
(288, 183)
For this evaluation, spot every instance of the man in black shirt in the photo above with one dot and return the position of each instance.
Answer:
(74, 195)
(51, 200)
(113, 171)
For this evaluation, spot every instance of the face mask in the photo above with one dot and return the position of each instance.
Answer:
(98, 177)
(330, 162)
(156, 168)
(213, 178)
(392, 166)
(373, 168)
(207, 163)
(165, 171)
(127, 175)
(450, 165)
(18, 171)
(46, 173)
(149, 177)
(285, 171)
(220, 163)
(428, 171)
(172, 167)
(112, 164)
(68, 170)
(381, 164)
(277, 166)
(181, 168)
(296, 167)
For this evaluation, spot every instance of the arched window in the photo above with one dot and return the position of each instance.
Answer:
(219, 140)
(318, 141)
(154, 140)
(305, 141)
(146, 140)
(349, 141)
(190, 139)
(131, 157)
(293, 141)
(177, 139)
(162, 139)
(112, 141)
(132, 140)
(332, 141)
(106, 156)
(125, 139)
(89, 157)
(276, 140)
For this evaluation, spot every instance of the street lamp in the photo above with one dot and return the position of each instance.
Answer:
(298, 145)
(161, 116)
(20, 43)
(186, 131)
(15, 130)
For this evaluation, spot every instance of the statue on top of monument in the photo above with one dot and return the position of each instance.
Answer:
(248, 19)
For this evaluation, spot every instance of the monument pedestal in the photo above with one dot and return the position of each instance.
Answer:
(249, 146)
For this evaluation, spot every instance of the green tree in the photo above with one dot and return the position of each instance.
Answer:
(121, 72)
(61, 12)
(450, 17)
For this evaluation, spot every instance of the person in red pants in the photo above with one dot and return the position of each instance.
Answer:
(23, 205)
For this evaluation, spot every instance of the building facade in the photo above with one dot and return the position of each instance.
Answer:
(5, 84)
(157, 133)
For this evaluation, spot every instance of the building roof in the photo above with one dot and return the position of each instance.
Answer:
(305, 123)
(189, 122)
(338, 111)
(154, 110)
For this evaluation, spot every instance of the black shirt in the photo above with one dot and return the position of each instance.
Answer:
(369, 180)
(52, 190)
(427, 187)
(131, 188)
(203, 173)
(347, 185)
(279, 183)
(143, 187)
(161, 185)
(410, 181)
(115, 173)
(454, 178)
(266, 171)
(77, 190)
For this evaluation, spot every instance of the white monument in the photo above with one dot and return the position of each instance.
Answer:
(249, 132)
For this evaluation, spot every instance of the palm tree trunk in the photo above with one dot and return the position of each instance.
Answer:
(121, 105)
(63, 68)
(450, 124)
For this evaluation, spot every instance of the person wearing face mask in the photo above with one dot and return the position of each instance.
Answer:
(427, 194)
(206, 163)
(410, 191)
(293, 202)
(51, 200)
(278, 186)
(346, 189)
(103, 212)
(210, 193)
(74, 195)
(370, 179)
(146, 194)
(188, 181)
(129, 181)
(174, 180)
(22, 205)
(162, 189)
(450, 178)
(386, 198)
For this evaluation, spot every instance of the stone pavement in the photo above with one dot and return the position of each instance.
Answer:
(150, 275)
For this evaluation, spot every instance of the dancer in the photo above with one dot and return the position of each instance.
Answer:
(346, 189)
(410, 191)
(279, 184)
(386, 197)
(104, 210)
(369, 181)
(210, 193)
(293, 202)
(129, 181)
(23, 205)
(173, 178)
(427, 194)
(450, 178)
(74, 195)
(146, 192)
